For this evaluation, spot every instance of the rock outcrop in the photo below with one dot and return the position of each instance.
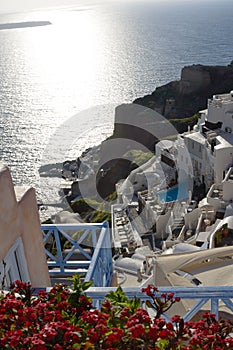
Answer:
(138, 127)
(183, 98)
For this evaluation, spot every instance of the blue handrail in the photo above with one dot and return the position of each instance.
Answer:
(199, 295)
(91, 242)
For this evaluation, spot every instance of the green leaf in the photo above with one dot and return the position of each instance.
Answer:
(117, 297)
(148, 304)
(159, 302)
(162, 344)
(73, 299)
(86, 285)
(135, 304)
(64, 314)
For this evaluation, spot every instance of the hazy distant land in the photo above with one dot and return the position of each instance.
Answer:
(24, 24)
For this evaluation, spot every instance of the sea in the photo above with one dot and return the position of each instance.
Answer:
(63, 70)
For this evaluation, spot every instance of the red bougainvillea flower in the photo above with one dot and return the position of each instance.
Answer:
(150, 290)
(113, 338)
(137, 331)
(61, 320)
(176, 319)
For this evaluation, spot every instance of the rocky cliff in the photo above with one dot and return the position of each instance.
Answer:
(183, 98)
(138, 127)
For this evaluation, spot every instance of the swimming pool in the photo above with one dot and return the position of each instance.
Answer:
(177, 192)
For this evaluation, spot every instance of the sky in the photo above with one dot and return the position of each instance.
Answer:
(25, 5)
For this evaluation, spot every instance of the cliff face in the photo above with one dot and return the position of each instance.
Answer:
(138, 127)
(183, 98)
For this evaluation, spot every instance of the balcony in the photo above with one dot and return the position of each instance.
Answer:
(86, 249)
(79, 249)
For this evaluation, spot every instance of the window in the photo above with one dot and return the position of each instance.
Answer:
(167, 160)
(15, 265)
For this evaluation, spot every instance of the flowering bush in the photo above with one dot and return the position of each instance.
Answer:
(66, 319)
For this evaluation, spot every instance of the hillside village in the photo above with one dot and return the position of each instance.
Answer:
(184, 197)
(172, 224)
(179, 201)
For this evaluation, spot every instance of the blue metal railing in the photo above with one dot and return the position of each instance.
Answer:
(92, 244)
(200, 296)
(79, 248)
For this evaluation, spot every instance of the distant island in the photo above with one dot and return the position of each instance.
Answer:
(5, 26)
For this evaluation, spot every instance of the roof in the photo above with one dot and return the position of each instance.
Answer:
(196, 136)
(165, 144)
(204, 111)
(225, 139)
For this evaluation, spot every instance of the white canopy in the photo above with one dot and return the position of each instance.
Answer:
(211, 267)
(211, 262)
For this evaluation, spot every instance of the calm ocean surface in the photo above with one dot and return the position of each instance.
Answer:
(88, 57)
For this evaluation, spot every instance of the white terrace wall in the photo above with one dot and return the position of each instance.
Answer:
(19, 218)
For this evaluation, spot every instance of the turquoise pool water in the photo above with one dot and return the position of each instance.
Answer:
(177, 192)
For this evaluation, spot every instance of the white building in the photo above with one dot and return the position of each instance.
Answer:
(204, 156)
(210, 144)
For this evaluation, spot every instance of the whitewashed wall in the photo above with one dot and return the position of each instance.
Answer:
(19, 218)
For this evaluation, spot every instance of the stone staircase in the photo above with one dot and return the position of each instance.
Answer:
(177, 226)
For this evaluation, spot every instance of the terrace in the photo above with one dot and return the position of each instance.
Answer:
(90, 254)
(83, 249)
